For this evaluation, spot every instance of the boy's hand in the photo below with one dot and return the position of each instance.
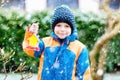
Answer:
(34, 28)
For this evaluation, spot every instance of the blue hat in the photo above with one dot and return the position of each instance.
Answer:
(63, 14)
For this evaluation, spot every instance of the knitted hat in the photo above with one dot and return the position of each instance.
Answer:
(63, 14)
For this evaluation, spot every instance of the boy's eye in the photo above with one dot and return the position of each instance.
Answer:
(58, 25)
(67, 26)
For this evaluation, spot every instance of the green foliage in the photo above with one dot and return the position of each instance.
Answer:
(13, 24)
(90, 28)
(113, 57)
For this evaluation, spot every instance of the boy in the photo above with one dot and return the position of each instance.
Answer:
(62, 56)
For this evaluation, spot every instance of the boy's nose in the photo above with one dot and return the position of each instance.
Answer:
(62, 28)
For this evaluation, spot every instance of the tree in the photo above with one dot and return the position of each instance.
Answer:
(112, 28)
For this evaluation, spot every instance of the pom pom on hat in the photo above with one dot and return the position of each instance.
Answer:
(63, 14)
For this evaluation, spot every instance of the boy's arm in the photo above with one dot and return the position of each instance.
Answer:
(26, 42)
(31, 44)
(83, 66)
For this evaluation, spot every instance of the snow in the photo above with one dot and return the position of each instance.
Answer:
(14, 76)
(100, 72)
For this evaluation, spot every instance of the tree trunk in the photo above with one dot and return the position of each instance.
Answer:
(111, 30)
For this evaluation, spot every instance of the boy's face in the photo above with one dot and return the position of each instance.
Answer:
(62, 30)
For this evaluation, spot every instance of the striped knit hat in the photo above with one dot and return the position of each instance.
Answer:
(63, 14)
